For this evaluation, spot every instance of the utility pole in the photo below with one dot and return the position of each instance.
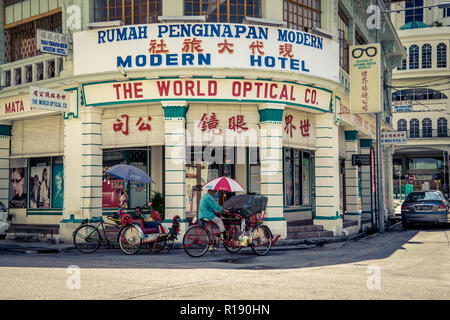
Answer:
(380, 184)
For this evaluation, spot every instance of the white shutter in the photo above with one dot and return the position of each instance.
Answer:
(38, 136)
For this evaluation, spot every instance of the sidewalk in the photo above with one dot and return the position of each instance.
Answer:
(48, 247)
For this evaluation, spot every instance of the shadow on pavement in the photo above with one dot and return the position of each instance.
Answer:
(373, 247)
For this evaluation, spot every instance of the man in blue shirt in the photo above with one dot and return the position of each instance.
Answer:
(206, 210)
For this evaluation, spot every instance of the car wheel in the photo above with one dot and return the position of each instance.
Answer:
(3, 237)
(406, 225)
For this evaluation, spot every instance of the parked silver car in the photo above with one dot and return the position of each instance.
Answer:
(425, 207)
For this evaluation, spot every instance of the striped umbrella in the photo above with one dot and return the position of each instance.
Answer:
(224, 184)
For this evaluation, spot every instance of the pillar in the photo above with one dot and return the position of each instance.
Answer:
(175, 153)
(353, 198)
(327, 174)
(367, 199)
(271, 157)
(5, 137)
(83, 169)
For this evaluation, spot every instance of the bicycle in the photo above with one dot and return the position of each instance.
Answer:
(200, 237)
(87, 237)
(132, 236)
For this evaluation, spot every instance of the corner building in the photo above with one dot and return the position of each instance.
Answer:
(188, 100)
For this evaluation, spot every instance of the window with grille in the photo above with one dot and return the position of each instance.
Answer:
(442, 127)
(20, 41)
(427, 128)
(401, 125)
(441, 55)
(344, 44)
(128, 11)
(302, 14)
(414, 12)
(426, 56)
(414, 57)
(414, 128)
(232, 11)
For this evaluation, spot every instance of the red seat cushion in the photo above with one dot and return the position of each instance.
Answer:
(146, 230)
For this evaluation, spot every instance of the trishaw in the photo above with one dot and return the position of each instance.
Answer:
(243, 225)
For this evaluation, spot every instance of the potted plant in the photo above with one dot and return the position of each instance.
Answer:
(158, 203)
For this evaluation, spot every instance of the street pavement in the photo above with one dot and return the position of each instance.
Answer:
(398, 264)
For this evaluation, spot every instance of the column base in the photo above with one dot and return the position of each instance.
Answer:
(66, 230)
(332, 224)
(277, 227)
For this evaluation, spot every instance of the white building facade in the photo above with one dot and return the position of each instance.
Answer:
(187, 101)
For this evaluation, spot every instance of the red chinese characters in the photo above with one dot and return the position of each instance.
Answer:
(158, 47)
(286, 50)
(288, 125)
(121, 124)
(237, 123)
(192, 46)
(364, 91)
(257, 46)
(304, 127)
(225, 45)
(210, 124)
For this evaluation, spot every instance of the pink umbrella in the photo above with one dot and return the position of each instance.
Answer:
(224, 184)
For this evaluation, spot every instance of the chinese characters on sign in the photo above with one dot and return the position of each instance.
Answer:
(390, 138)
(48, 99)
(211, 124)
(122, 125)
(289, 126)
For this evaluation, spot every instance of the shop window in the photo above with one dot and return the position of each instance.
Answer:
(232, 11)
(113, 187)
(254, 170)
(57, 183)
(297, 177)
(18, 183)
(302, 15)
(128, 11)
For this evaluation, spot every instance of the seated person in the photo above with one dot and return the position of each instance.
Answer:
(138, 215)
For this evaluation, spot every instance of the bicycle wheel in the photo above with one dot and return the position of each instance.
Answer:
(129, 240)
(86, 238)
(230, 245)
(196, 241)
(261, 240)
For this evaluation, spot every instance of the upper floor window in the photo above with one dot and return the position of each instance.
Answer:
(417, 94)
(441, 55)
(20, 41)
(414, 128)
(446, 12)
(128, 11)
(401, 125)
(442, 127)
(427, 128)
(344, 44)
(414, 57)
(413, 14)
(426, 56)
(302, 14)
(232, 11)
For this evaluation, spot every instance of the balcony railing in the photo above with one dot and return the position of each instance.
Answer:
(41, 67)
(428, 134)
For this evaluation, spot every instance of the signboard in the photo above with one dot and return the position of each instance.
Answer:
(257, 91)
(365, 78)
(402, 106)
(49, 99)
(393, 138)
(52, 42)
(360, 159)
(205, 45)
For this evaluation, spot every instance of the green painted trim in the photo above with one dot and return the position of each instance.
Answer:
(175, 111)
(99, 123)
(330, 128)
(170, 221)
(324, 196)
(324, 206)
(93, 154)
(351, 135)
(352, 213)
(327, 218)
(324, 176)
(91, 134)
(5, 130)
(275, 219)
(365, 143)
(288, 209)
(268, 114)
(324, 157)
(66, 115)
(324, 137)
(325, 186)
(44, 213)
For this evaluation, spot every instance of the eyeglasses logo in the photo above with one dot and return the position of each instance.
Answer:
(370, 52)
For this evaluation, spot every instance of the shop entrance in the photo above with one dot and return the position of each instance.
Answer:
(200, 170)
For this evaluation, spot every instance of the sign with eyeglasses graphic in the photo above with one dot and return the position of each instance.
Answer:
(365, 78)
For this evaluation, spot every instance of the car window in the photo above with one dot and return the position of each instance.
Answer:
(417, 196)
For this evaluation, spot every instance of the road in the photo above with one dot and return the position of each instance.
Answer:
(411, 264)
